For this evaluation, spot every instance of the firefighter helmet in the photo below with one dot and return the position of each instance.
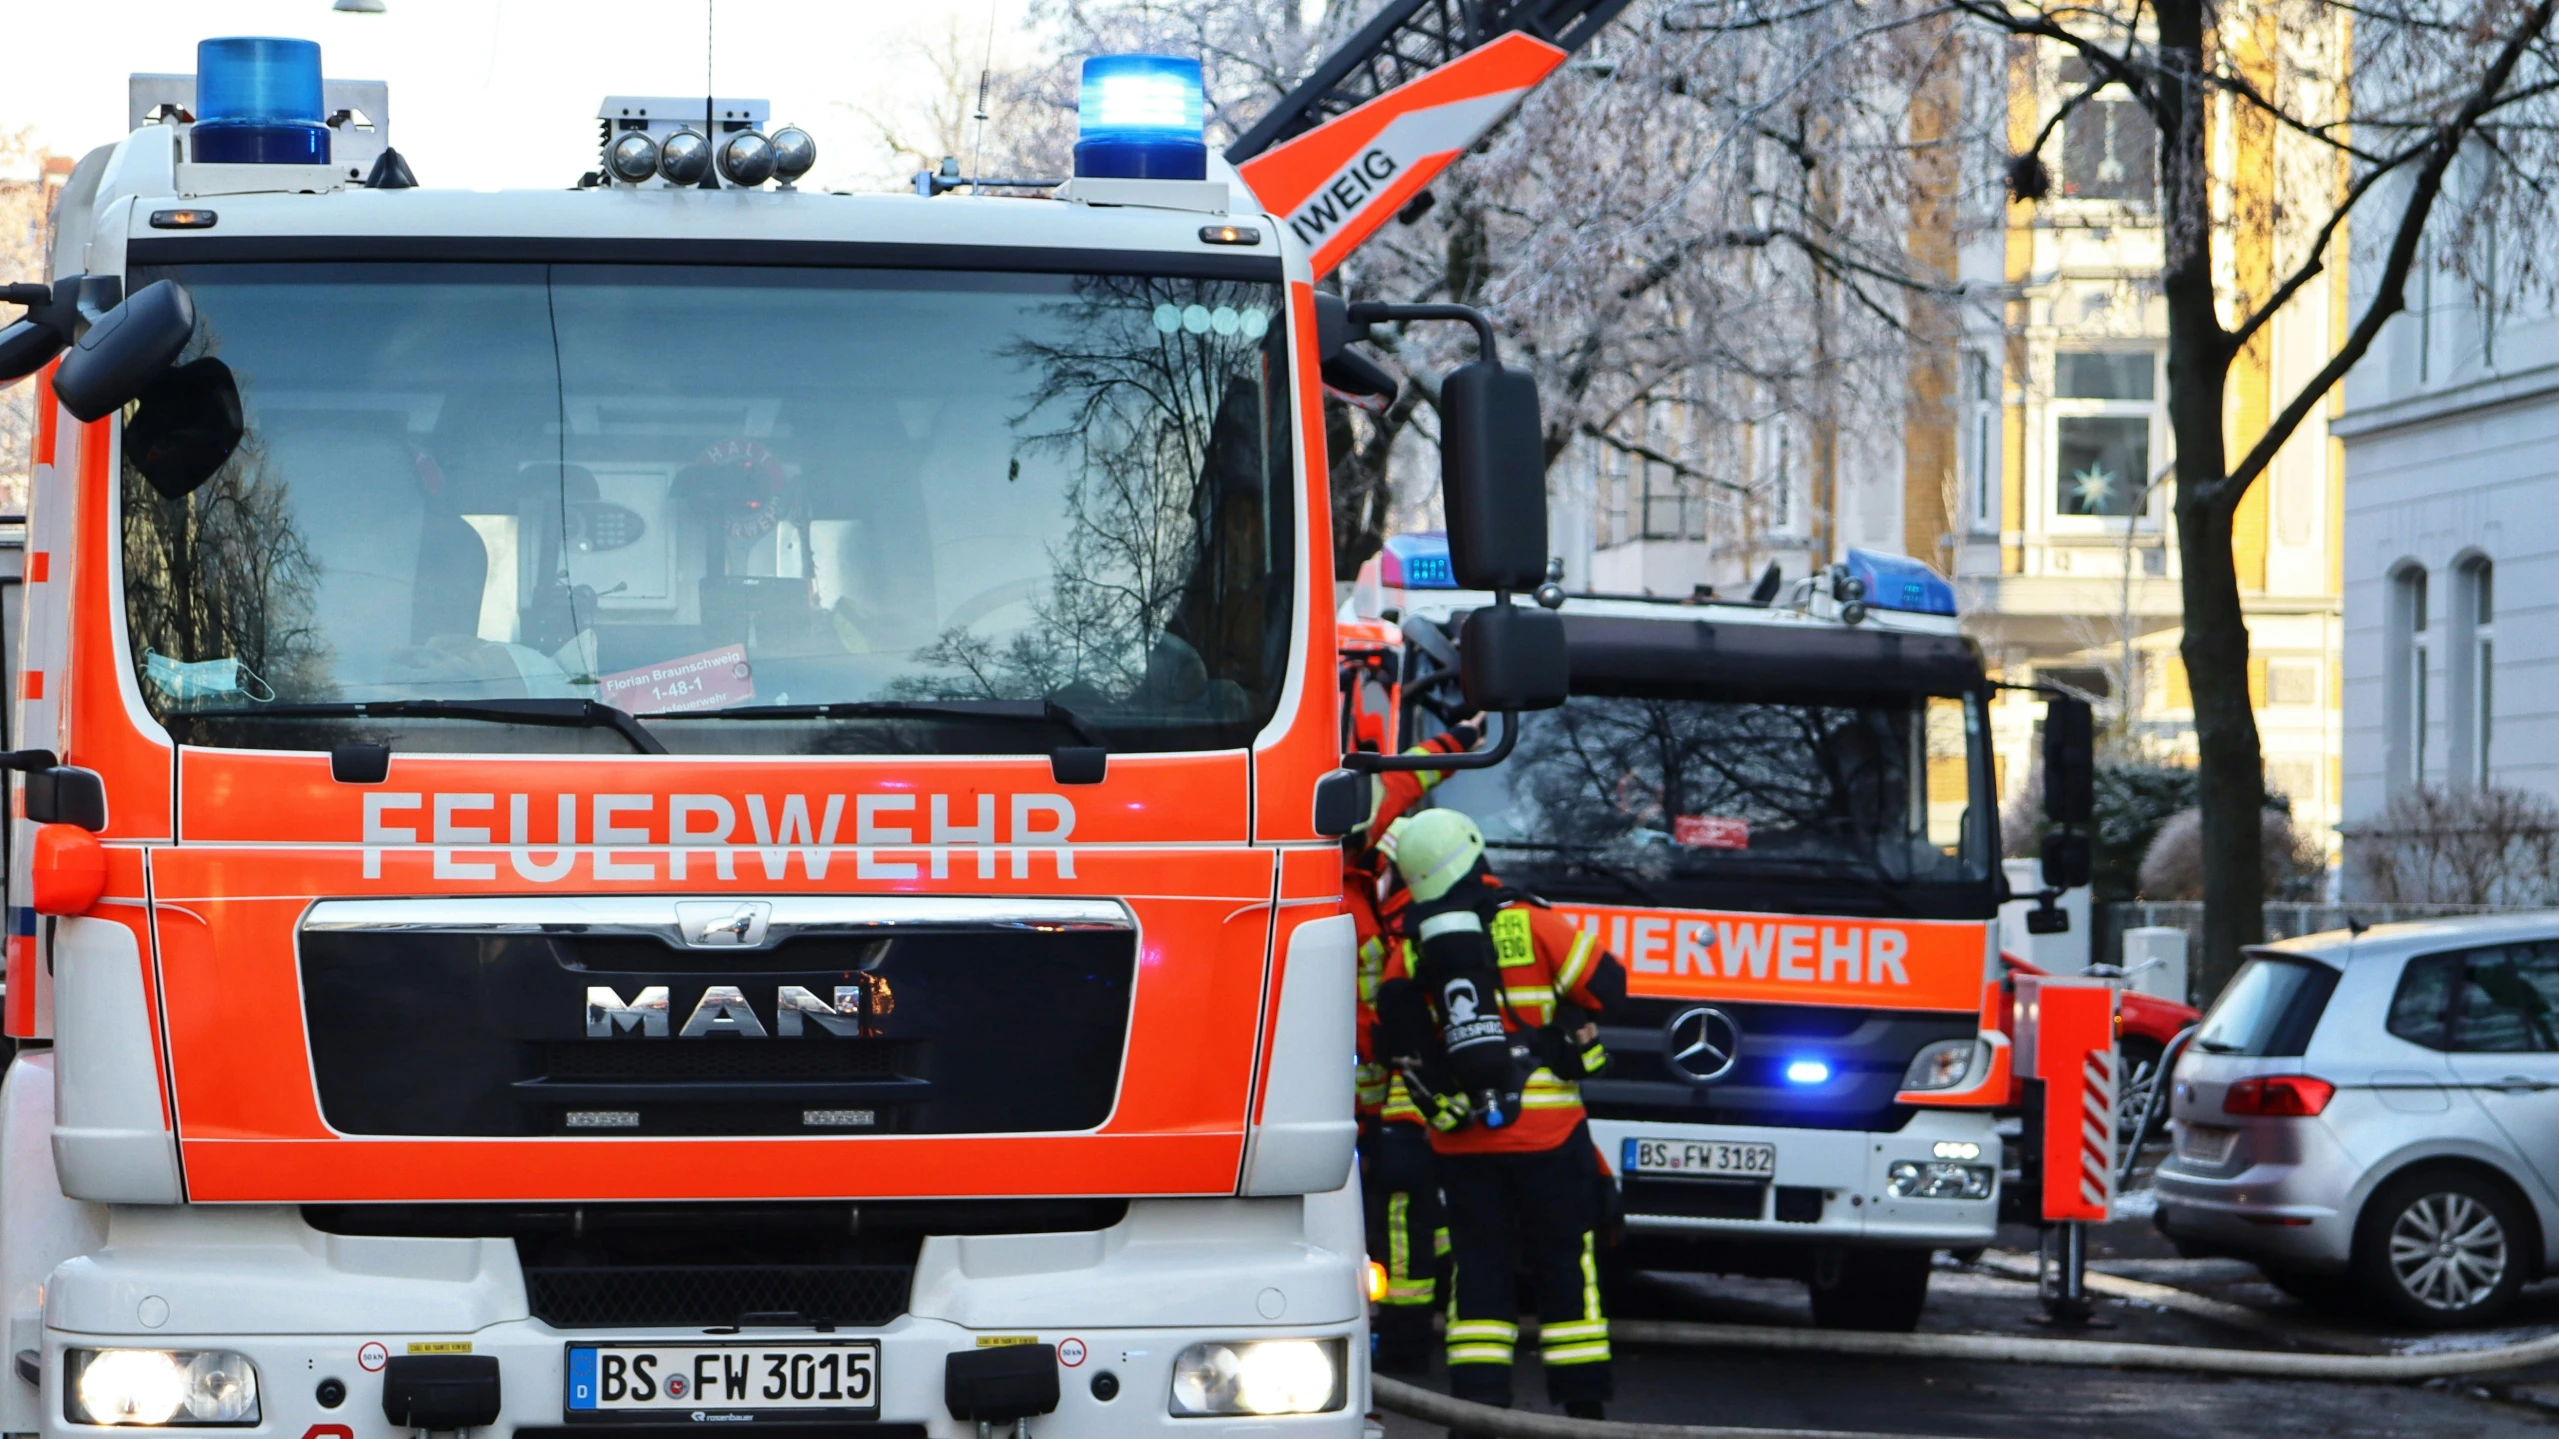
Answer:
(1434, 850)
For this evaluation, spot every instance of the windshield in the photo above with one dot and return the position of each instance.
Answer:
(687, 490)
(1644, 787)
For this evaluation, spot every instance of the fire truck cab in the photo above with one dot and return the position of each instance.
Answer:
(674, 802)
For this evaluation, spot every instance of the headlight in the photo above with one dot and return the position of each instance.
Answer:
(1943, 1065)
(1930, 1179)
(159, 1387)
(1267, 1376)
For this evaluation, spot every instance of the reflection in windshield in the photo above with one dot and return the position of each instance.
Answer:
(1639, 787)
(678, 491)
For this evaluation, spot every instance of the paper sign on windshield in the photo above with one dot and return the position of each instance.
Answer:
(1792, 959)
(1711, 831)
(713, 679)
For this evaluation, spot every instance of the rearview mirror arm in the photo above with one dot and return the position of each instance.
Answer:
(1364, 313)
(1366, 763)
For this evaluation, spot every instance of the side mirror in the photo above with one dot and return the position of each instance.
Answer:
(1493, 476)
(2068, 862)
(125, 349)
(62, 794)
(1510, 658)
(2070, 762)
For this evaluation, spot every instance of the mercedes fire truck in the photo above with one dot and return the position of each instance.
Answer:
(1779, 813)
(677, 802)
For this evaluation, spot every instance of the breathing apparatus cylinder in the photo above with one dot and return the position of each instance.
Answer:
(1464, 981)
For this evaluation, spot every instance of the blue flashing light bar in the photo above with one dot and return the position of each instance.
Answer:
(1142, 117)
(1895, 583)
(1807, 1071)
(257, 102)
(1416, 562)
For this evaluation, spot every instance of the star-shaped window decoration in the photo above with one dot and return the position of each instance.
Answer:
(2094, 486)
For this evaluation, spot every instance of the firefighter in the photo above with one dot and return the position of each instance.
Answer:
(1399, 1191)
(1490, 1005)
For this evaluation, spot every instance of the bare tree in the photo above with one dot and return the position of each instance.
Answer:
(2380, 98)
(2485, 846)
(24, 205)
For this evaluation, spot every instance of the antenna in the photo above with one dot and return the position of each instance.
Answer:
(985, 73)
(710, 127)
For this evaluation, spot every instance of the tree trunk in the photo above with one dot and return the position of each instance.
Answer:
(2231, 775)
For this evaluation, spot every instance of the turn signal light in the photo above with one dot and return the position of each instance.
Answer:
(2294, 1095)
(1376, 1282)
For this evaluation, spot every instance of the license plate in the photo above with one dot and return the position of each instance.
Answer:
(683, 1381)
(1709, 1158)
(2206, 1143)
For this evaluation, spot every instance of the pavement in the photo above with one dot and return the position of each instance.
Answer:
(1998, 1401)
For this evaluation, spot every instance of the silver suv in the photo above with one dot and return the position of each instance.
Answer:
(2376, 1117)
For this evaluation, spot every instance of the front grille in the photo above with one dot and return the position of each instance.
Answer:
(1696, 1198)
(705, 1295)
(1867, 1051)
(463, 1032)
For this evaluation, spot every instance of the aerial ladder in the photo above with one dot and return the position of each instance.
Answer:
(1368, 130)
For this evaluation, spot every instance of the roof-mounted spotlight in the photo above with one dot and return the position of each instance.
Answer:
(1140, 117)
(746, 159)
(794, 153)
(684, 157)
(632, 158)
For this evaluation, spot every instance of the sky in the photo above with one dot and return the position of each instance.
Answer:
(497, 94)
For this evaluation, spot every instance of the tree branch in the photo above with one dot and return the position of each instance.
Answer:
(2390, 296)
(2317, 262)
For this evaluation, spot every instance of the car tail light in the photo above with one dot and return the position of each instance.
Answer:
(2297, 1095)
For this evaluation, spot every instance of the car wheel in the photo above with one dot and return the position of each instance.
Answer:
(2441, 1247)
(1870, 1289)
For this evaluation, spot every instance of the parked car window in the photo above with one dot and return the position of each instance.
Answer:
(2509, 1000)
(2270, 1008)
(2421, 1010)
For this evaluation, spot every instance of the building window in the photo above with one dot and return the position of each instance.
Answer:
(1982, 392)
(2104, 410)
(2292, 682)
(2472, 654)
(2405, 678)
(2109, 148)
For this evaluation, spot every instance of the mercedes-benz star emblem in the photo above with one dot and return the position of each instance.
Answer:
(1700, 1045)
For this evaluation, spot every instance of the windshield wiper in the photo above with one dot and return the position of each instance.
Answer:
(1048, 712)
(567, 713)
(1085, 762)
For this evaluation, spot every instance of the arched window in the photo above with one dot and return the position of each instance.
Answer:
(2405, 643)
(2470, 653)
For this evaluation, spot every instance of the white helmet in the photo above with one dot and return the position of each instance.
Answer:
(1433, 850)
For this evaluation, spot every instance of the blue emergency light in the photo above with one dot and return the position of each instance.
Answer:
(1141, 117)
(1895, 583)
(1807, 1071)
(257, 102)
(1416, 562)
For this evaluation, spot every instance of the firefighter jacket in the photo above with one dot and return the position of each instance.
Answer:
(1545, 961)
(1364, 871)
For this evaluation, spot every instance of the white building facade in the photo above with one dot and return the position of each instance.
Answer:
(2451, 436)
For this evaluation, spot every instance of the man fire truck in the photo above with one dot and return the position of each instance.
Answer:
(682, 801)
(1779, 814)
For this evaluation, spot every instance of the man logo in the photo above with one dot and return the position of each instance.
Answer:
(1701, 1045)
(723, 1009)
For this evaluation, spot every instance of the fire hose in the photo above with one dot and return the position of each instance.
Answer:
(1437, 1408)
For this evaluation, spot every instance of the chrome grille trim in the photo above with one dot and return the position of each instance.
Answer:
(658, 916)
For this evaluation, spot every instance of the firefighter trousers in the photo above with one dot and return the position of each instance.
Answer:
(1399, 1189)
(1533, 1213)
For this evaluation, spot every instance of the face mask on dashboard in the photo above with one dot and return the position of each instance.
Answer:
(184, 680)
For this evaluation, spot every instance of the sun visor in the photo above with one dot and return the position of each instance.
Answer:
(1608, 652)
